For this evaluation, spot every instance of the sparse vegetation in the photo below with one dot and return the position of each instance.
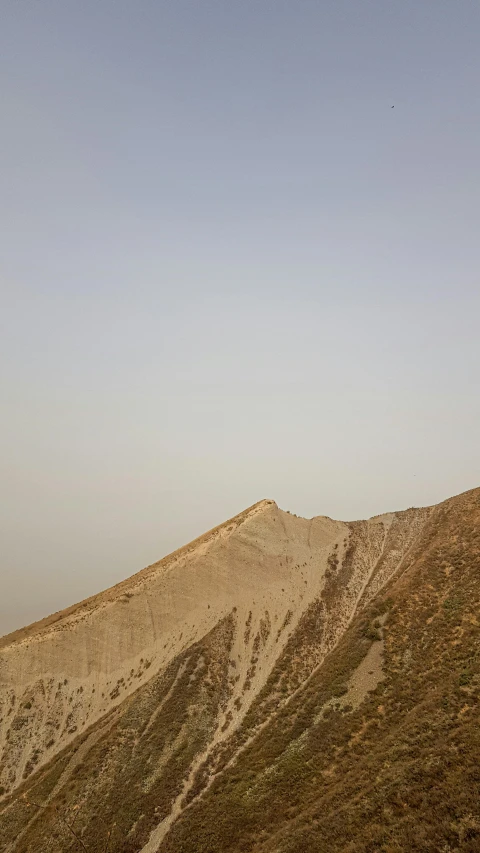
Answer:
(388, 776)
(133, 770)
(311, 768)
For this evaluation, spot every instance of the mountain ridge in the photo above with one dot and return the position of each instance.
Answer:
(53, 618)
(158, 669)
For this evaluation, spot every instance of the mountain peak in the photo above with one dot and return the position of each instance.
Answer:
(142, 697)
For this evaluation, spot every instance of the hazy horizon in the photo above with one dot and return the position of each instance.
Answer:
(240, 260)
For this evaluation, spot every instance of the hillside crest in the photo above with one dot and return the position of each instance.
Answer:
(228, 630)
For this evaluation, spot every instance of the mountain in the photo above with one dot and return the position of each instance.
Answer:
(279, 685)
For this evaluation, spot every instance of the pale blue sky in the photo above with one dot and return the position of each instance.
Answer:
(229, 270)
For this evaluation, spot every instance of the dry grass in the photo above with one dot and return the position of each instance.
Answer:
(132, 775)
(308, 770)
(402, 772)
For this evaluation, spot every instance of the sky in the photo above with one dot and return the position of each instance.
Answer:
(239, 259)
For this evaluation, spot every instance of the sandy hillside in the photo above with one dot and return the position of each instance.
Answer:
(134, 704)
(264, 566)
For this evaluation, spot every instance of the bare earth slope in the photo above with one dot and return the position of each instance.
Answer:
(248, 691)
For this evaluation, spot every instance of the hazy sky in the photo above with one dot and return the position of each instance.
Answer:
(229, 271)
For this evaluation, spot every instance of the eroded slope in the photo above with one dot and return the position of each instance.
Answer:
(134, 704)
(389, 764)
